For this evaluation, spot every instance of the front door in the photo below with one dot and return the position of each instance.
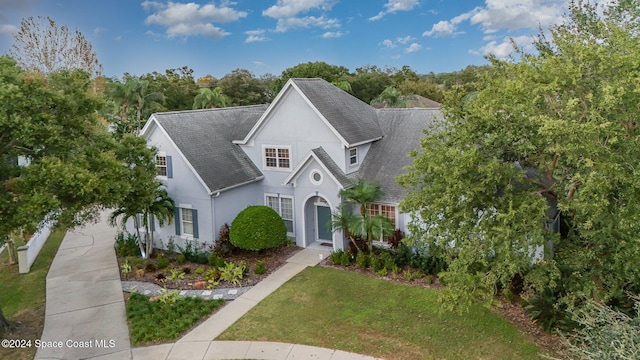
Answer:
(323, 218)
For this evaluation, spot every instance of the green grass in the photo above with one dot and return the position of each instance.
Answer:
(161, 322)
(23, 292)
(352, 312)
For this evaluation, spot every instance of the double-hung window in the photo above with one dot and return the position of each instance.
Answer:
(186, 221)
(353, 156)
(283, 205)
(277, 157)
(163, 165)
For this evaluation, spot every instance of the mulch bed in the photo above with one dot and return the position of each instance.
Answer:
(272, 258)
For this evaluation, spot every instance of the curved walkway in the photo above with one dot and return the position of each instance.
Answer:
(85, 313)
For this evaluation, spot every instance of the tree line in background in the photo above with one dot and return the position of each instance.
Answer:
(132, 99)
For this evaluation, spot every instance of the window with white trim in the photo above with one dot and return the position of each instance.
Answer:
(353, 156)
(283, 205)
(186, 218)
(277, 157)
(161, 165)
(387, 211)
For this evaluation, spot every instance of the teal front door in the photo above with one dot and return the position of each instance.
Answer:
(323, 218)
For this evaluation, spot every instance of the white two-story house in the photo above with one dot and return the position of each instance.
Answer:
(293, 155)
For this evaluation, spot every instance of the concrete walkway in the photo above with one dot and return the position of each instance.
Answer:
(85, 313)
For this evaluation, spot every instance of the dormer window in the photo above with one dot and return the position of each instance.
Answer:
(277, 157)
(353, 156)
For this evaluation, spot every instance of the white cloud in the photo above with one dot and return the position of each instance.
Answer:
(404, 40)
(287, 13)
(393, 6)
(306, 22)
(445, 28)
(291, 8)
(518, 14)
(332, 34)
(8, 30)
(413, 48)
(504, 49)
(388, 43)
(507, 15)
(255, 36)
(191, 19)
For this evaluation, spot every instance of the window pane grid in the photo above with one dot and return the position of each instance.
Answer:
(277, 158)
(187, 221)
(161, 165)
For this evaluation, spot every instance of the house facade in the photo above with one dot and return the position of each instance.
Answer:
(293, 155)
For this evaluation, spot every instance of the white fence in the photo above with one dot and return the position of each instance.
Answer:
(27, 253)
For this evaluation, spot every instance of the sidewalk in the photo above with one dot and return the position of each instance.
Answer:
(85, 313)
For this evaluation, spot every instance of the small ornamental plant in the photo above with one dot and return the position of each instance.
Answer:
(256, 228)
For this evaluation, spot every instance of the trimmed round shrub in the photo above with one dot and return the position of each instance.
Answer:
(257, 227)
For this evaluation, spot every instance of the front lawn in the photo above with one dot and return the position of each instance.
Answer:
(22, 296)
(353, 312)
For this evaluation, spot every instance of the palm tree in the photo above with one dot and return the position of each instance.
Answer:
(364, 224)
(340, 220)
(143, 207)
(208, 98)
(362, 193)
(162, 208)
(392, 97)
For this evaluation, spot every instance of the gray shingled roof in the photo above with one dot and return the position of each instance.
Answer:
(387, 158)
(331, 165)
(353, 119)
(205, 138)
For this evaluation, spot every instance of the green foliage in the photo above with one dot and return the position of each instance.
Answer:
(125, 269)
(215, 260)
(362, 260)
(544, 132)
(161, 261)
(606, 333)
(257, 228)
(195, 252)
(126, 245)
(181, 259)
(335, 257)
(175, 275)
(161, 321)
(232, 273)
(345, 258)
(546, 310)
(261, 268)
(199, 270)
(241, 87)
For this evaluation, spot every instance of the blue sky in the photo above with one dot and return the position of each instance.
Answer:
(268, 36)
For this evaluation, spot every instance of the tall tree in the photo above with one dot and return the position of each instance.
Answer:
(43, 46)
(176, 85)
(208, 98)
(242, 88)
(317, 69)
(75, 167)
(132, 101)
(546, 132)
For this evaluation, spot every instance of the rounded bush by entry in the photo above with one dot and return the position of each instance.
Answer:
(257, 227)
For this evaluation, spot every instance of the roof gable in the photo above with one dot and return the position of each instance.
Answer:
(204, 137)
(388, 157)
(351, 120)
(327, 164)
